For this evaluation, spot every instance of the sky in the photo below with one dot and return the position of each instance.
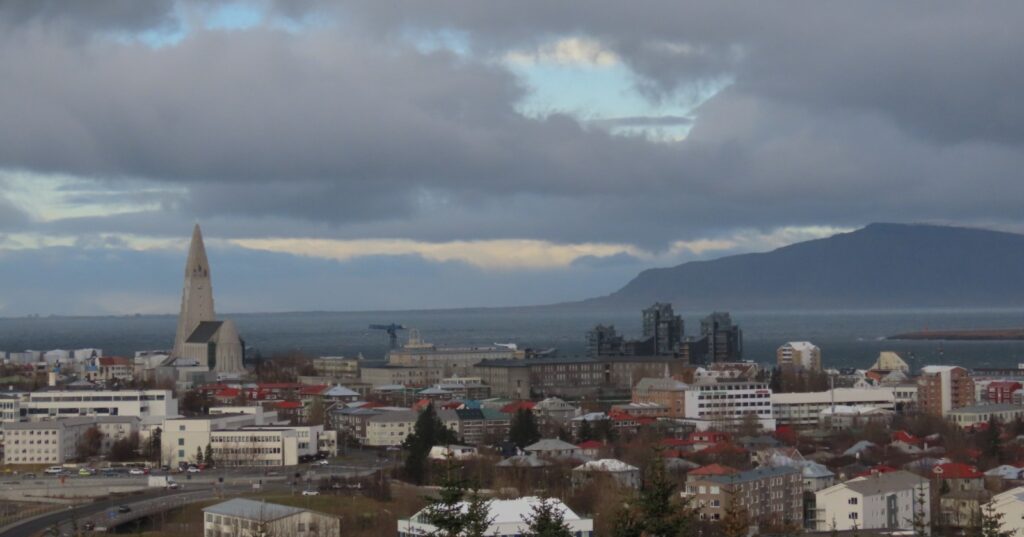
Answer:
(359, 155)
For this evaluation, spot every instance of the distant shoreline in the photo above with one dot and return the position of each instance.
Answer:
(1002, 334)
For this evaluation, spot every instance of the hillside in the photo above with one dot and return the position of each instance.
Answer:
(881, 265)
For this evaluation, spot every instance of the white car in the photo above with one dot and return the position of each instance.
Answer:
(310, 493)
(54, 470)
(321, 462)
(194, 470)
(136, 471)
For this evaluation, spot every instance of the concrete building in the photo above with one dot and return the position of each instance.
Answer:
(572, 377)
(509, 519)
(1010, 505)
(390, 428)
(380, 374)
(847, 417)
(476, 426)
(603, 340)
(338, 367)
(553, 409)
(197, 293)
(880, 501)
(974, 415)
(618, 472)
(663, 328)
(1001, 391)
(804, 409)
(242, 517)
(56, 441)
(772, 495)
(667, 392)
(799, 354)
(728, 402)
(217, 346)
(51, 403)
(890, 361)
(722, 340)
(942, 388)
(242, 440)
(450, 360)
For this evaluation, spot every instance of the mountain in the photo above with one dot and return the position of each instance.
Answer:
(878, 266)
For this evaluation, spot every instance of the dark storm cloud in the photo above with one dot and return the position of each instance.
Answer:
(93, 15)
(837, 114)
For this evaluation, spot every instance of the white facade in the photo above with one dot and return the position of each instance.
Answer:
(390, 428)
(804, 409)
(509, 519)
(1010, 505)
(881, 501)
(800, 354)
(56, 441)
(50, 404)
(730, 400)
(239, 440)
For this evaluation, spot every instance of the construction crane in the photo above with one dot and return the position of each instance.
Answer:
(392, 330)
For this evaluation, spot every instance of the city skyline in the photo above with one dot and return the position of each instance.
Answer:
(409, 156)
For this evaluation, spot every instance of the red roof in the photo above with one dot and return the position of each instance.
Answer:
(108, 361)
(289, 405)
(514, 406)
(590, 444)
(1006, 384)
(279, 386)
(709, 436)
(227, 393)
(956, 470)
(714, 469)
(313, 390)
(904, 436)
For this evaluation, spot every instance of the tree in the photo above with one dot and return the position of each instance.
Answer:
(154, 445)
(586, 432)
(90, 444)
(195, 402)
(749, 425)
(125, 449)
(989, 441)
(546, 519)
(427, 433)
(316, 414)
(457, 512)
(736, 519)
(992, 522)
(208, 455)
(655, 512)
(920, 521)
(199, 455)
(523, 430)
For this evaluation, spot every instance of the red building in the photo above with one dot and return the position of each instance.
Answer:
(1001, 391)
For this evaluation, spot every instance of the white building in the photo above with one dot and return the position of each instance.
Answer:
(887, 501)
(803, 354)
(804, 409)
(844, 417)
(56, 441)
(890, 361)
(972, 416)
(624, 474)
(59, 403)
(1010, 505)
(509, 519)
(242, 517)
(242, 440)
(729, 401)
(390, 428)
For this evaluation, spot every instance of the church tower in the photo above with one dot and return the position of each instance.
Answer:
(197, 295)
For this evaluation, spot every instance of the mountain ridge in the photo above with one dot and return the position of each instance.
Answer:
(879, 265)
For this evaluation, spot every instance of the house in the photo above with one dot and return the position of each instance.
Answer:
(974, 416)
(591, 448)
(958, 476)
(554, 410)
(553, 448)
(509, 518)
(242, 517)
(888, 500)
(860, 448)
(1009, 506)
(625, 475)
(1005, 472)
(962, 490)
(456, 452)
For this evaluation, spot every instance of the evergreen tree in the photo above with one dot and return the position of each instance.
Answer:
(208, 456)
(989, 440)
(427, 433)
(627, 524)
(457, 512)
(992, 522)
(316, 414)
(919, 521)
(659, 514)
(546, 519)
(524, 430)
(199, 455)
(586, 432)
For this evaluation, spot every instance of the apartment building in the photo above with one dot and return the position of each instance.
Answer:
(771, 495)
(803, 410)
(388, 375)
(1001, 391)
(889, 501)
(451, 360)
(975, 415)
(56, 441)
(572, 377)
(799, 354)
(476, 426)
(390, 428)
(242, 440)
(338, 367)
(942, 388)
(242, 517)
(50, 403)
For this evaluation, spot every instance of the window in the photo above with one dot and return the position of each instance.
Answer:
(181, 441)
(852, 501)
(853, 516)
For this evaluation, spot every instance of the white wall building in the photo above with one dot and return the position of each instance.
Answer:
(242, 517)
(882, 501)
(509, 519)
(729, 401)
(56, 441)
(390, 428)
(804, 409)
(803, 354)
(239, 440)
(58, 403)
(1010, 505)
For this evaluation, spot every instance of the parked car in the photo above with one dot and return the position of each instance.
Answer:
(310, 493)
(137, 471)
(124, 509)
(194, 470)
(89, 525)
(86, 472)
(54, 470)
(321, 462)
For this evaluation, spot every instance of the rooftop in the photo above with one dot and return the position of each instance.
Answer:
(753, 475)
(986, 408)
(253, 510)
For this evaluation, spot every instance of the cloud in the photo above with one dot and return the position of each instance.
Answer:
(574, 51)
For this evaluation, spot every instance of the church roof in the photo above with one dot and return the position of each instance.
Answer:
(204, 332)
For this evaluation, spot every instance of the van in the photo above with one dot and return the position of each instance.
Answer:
(54, 470)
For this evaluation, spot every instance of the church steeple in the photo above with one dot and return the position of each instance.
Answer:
(197, 293)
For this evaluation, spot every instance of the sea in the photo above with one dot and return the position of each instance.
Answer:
(847, 338)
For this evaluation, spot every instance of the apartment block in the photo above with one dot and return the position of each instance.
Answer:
(942, 388)
(772, 495)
